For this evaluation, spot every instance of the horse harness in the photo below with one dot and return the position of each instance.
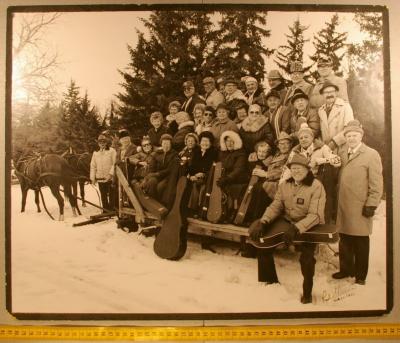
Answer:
(34, 183)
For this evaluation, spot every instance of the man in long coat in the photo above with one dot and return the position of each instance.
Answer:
(334, 114)
(360, 192)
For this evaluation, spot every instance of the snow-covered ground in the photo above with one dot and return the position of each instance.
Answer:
(57, 268)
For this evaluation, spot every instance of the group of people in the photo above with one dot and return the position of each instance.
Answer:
(302, 142)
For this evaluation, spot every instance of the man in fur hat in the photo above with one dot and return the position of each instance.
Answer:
(127, 148)
(326, 73)
(360, 192)
(297, 207)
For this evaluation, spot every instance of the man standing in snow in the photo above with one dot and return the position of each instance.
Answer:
(360, 192)
(298, 206)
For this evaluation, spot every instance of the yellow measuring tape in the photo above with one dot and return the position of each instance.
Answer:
(233, 333)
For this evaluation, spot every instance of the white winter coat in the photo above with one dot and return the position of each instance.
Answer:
(102, 164)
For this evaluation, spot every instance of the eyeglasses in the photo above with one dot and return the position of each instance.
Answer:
(187, 88)
(254, 112)
(147, 144)
(207, 113)
(102, 141)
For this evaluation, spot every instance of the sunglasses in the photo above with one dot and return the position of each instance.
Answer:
(207, 113)
(254, 112)
(147, 144)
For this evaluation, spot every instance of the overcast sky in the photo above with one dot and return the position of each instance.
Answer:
(92, 46)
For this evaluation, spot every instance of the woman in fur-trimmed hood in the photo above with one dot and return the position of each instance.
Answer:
(185, 126)
(235, 170)
(255, 128)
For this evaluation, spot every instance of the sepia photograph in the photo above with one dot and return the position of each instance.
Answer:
(198, 162)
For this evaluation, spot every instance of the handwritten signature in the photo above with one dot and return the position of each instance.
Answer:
(339, 292)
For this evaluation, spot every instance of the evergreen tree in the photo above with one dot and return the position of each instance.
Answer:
(293, 51)
(175, 51)
(239, 49)
(80, 122)
(328, 42)
(46, 125)
(369, 52)
(365, 82)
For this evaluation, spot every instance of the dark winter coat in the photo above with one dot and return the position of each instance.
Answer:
(309, 116)
(172, 127)
(235, 167)
(258, 98)
(139, 171)
(163, 163)
(218, 128)
(129, 151)
(178, 141)
(202, 163)
(304, 86)
(188, 105)
(252, 133)
(155, 135)
(279, 120)
(282, 90)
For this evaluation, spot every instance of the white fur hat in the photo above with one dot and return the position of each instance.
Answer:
(233, 135)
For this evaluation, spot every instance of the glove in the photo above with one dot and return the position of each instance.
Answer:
(258, 231)
(368, 211)
(289, 235)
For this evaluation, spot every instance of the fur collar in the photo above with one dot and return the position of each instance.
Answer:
(308, 180)
(236, 138)
(255, 125)
(185, 123)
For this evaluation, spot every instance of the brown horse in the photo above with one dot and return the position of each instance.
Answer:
(36, 171)
(80, 164)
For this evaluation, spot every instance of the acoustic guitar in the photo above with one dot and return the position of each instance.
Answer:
(207, 193)
(171, 241)
(150, 204)
(322, 233)
(244, 205)
(215, 210)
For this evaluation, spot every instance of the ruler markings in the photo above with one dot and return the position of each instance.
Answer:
(201, 333)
